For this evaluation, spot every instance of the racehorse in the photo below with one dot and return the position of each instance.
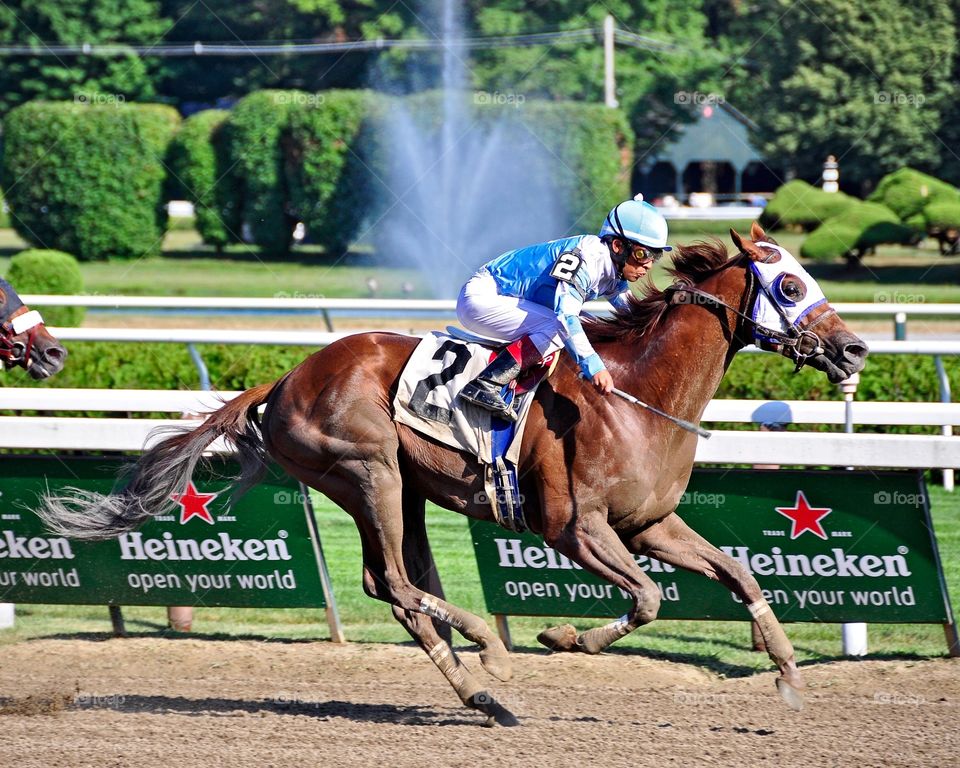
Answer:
(601, 479)
(24, 340)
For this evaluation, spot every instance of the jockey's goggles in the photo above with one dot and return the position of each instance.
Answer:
(641, 253)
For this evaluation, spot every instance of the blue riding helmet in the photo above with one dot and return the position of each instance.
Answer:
(637, 221)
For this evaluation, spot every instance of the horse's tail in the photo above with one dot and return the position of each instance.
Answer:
(162, 471)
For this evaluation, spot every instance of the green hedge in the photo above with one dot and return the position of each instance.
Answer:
(103, 365)
(201, 172)
(326, 151)
(907, 192)
(37, 271)
(256, 127)
(942, 215)
(860, 228)
(800, 205)
(88, 179)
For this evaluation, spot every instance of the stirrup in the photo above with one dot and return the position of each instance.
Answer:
(488, 399)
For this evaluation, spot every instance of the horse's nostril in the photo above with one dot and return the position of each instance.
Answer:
(55, 354)
(855, 351)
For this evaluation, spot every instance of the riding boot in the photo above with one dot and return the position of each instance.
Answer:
(486, 391)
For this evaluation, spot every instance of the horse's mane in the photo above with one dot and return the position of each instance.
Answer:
(694, 262)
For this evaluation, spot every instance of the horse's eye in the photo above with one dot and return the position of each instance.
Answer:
(791, 288)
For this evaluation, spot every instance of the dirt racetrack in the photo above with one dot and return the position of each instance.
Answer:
(191, 702)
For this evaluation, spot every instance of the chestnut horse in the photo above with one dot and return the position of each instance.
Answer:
(601, 478)
(24, 340)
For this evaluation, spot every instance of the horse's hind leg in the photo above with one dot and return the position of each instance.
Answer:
(371, 492)
(673, 541)
(428, 631)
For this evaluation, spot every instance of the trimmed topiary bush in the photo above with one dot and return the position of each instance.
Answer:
(201, 172)
(942, 222)
(88, 179)
(856, 232)
(801, 205)
(327, 150)
(256, 126)
(55, 272)
(908, 192)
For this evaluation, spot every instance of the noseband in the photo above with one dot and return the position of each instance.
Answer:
(798, 344)
(12, 351)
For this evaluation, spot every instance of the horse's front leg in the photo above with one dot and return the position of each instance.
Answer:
(672, 541)
(592, 543)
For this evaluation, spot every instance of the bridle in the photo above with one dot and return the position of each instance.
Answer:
(799, 344)
(14, 352)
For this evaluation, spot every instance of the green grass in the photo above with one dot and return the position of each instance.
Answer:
(720, 646)
(188, 268)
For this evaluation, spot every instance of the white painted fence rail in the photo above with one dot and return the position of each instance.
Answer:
(795, 447)
(372, 306)
(322, 338)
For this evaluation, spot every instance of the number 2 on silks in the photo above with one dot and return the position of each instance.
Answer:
(418, 401)
(567, 265)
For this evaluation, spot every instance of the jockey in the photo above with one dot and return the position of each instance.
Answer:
(532, 297)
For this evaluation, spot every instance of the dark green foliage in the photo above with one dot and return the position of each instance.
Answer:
(88, 179)
(593, 147)
(4, 217)
(908, 192)
(98, 365)
(802, 205)
(754, 377)
(55, 272)
(859, 229)
(90, 79)
(864, 81)
(942, 215)
(327, 154)
(201, 172)
(256, 126)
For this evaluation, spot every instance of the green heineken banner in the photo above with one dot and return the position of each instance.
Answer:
(824, 546)
(262, 552)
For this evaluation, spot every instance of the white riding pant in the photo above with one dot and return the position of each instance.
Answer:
(481, 309)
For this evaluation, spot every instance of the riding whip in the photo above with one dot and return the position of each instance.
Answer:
(679, 422)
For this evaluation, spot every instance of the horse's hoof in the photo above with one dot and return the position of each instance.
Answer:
(497, 663)
(562, 638)
(790, 694)
(498, 714)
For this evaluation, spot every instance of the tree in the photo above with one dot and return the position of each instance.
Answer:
(72, 77)
(864, 82)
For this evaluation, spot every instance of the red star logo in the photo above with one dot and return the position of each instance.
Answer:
(194, 504)
(804, 517)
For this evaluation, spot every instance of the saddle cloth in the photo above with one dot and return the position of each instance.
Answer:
(427, 402)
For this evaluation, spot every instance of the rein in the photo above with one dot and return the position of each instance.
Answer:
(799, 343)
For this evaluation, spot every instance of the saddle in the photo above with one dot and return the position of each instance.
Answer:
(427, 402)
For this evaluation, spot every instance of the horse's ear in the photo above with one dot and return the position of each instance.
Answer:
(737, 240)
(750, 248)
(757, 234)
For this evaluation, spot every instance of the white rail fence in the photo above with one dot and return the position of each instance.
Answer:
(897, 311)
(726, 446)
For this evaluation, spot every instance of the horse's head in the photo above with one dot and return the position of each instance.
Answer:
(24, 340)
(791, 315)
